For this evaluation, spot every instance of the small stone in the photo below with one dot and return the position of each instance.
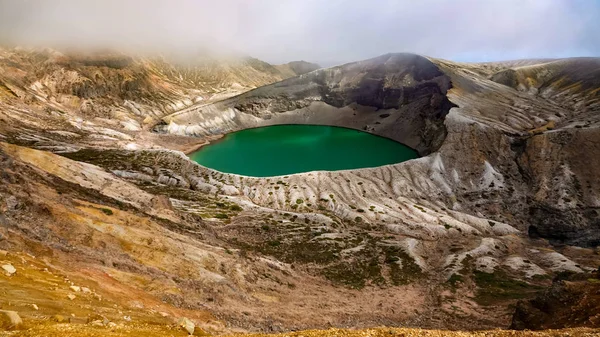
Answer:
(12, 203)
(112, 324)
(71, 297)
(75, 288)
(97, 323)
(35, 307)
(187, 325)
(127, 318)
(86, 290)
(10, 320)
(163, 314)
(9, 269)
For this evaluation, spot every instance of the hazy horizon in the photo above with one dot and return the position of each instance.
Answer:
(331, 32)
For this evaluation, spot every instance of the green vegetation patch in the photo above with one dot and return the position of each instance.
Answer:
(106, 211)
(403, 268)
(498, 286)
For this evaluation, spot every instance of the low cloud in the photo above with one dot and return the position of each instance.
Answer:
(329, 32)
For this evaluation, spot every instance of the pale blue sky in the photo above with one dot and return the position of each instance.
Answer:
(324, 31)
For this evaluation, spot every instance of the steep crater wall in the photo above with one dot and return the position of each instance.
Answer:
(398, 96)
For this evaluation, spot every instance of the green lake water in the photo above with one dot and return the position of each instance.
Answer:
(287, 149)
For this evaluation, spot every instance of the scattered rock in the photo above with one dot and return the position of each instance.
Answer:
(35, 307)
(136, 304)
(97, 323)
(9, 269)
(112, 324)
(75, 288)
(86, 290)
(163, 314)
(12, 203)
(59, 319)
(127, 318)
(71, 297)
(187, 325)
(10, 320)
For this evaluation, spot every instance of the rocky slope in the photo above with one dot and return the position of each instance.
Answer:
(572, 300)
(504, 197)
(112, 96)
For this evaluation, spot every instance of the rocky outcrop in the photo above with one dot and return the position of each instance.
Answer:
(571, 301)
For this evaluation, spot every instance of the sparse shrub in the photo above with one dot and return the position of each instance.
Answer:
(221, 216)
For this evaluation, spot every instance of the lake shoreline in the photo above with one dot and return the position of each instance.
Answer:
(193, 148)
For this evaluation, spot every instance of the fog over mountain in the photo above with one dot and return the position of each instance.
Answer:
(326, 32)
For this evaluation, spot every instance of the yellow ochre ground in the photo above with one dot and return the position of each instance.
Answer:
(81, 330)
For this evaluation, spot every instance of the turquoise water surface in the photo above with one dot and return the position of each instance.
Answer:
(286, 149)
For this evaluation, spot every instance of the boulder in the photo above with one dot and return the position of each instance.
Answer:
(187, 325)
(10, 320)
(9, 269)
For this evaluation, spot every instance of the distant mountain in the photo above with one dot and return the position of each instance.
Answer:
(296, 68)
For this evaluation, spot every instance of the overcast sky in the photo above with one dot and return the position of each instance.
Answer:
(323, 31)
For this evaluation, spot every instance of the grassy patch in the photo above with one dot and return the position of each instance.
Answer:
(498, 286)
(106, 211)
(404, 272)
(455, 279)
